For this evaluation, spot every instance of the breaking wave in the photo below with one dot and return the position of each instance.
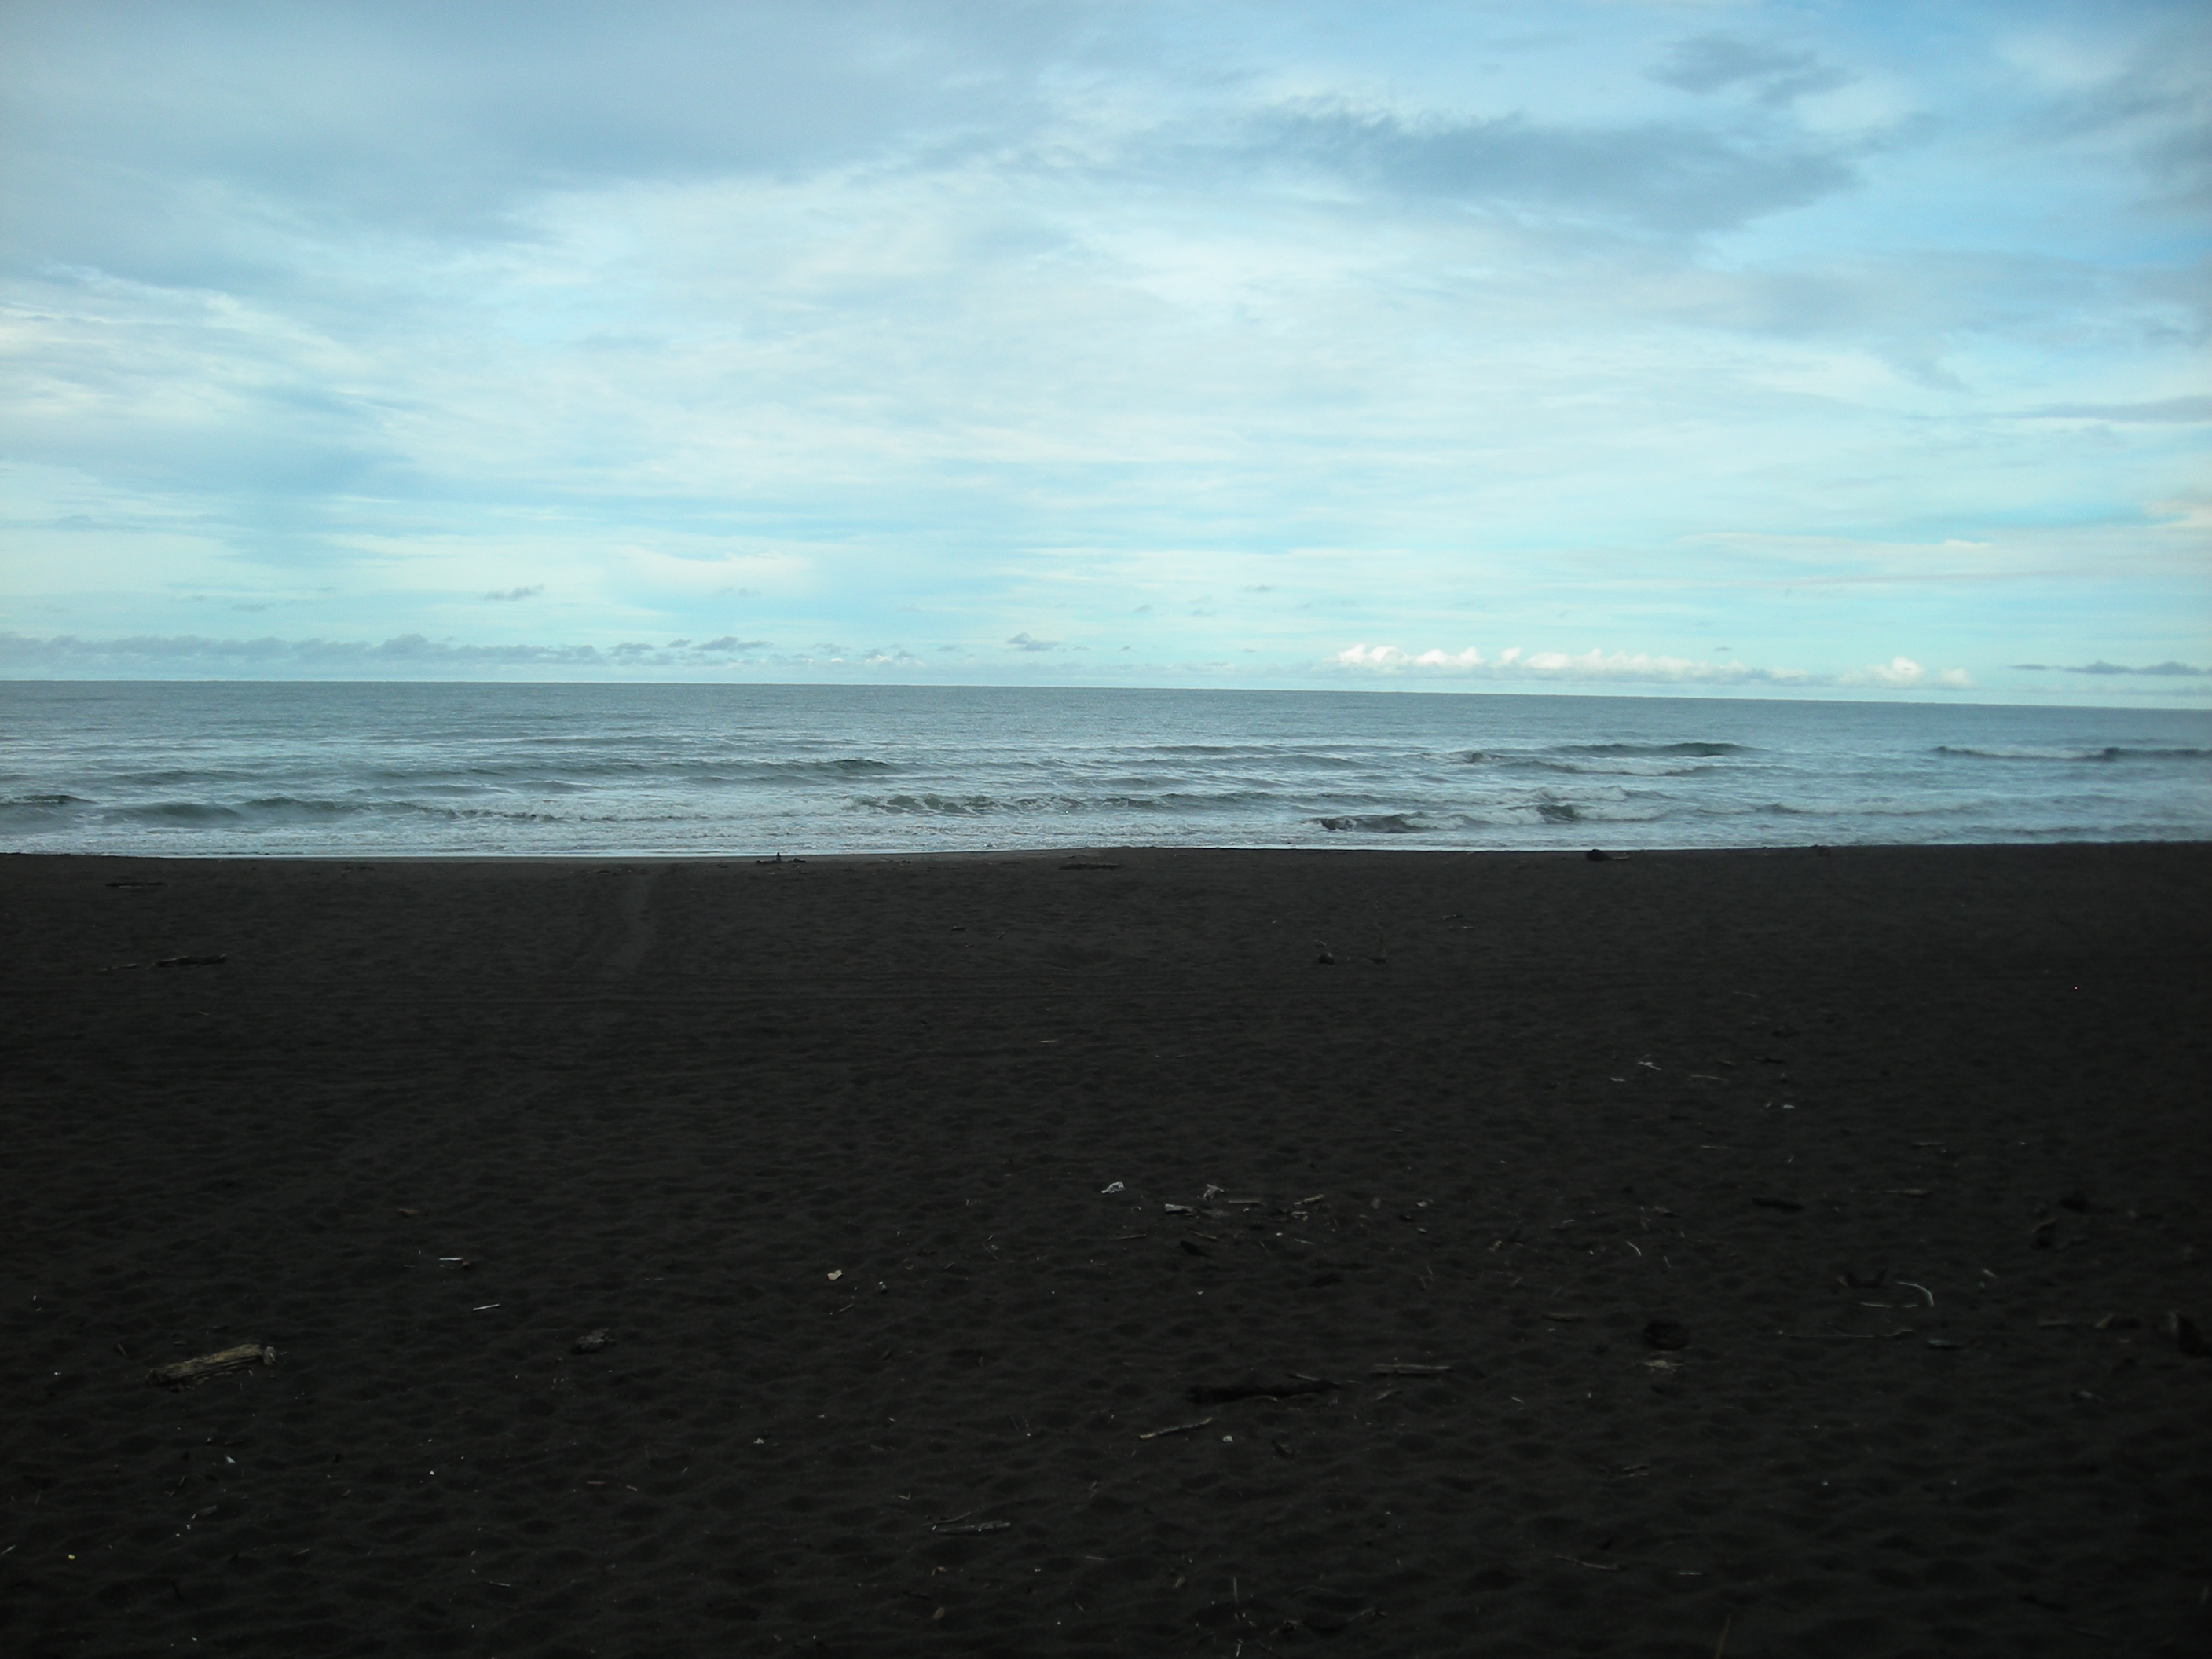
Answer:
(1643, 760)
(1701, 749)
(2116, 752)
(1379, 823)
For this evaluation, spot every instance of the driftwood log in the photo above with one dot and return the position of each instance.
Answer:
(211, 1364)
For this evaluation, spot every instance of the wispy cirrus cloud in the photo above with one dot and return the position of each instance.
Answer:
(1773, 71)
(1667, 176)
(2157, 411)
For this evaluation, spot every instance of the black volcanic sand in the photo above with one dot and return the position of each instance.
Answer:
(822, 1147)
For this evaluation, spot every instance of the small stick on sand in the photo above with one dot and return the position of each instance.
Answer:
(1221, 1394)
(1179, 1428)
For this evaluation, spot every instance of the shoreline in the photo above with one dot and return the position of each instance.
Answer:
(1617, 851)
(864, 1164)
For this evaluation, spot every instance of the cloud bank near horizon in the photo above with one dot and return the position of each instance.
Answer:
(2164, 669)
(413, 656)
(1046, 338)
(1639, 668)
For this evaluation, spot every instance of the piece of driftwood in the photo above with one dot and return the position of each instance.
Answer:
(211, 1364)
(1179, 1428)
(1396, 1369)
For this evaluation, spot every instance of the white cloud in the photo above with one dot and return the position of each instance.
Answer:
(1901, 671)
(1372, 656)
(1592, 667)
(1632, 667)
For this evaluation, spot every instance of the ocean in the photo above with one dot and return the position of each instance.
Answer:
(322, 770)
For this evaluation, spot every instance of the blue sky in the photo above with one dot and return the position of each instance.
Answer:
(1835, 350)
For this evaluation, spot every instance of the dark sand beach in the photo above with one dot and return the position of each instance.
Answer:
(1800, 1231)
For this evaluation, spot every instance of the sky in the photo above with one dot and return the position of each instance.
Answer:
(1846, 350)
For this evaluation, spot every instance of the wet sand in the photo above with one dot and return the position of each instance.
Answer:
(1774, 1245)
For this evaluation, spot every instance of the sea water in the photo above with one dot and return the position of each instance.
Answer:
(700, 770)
